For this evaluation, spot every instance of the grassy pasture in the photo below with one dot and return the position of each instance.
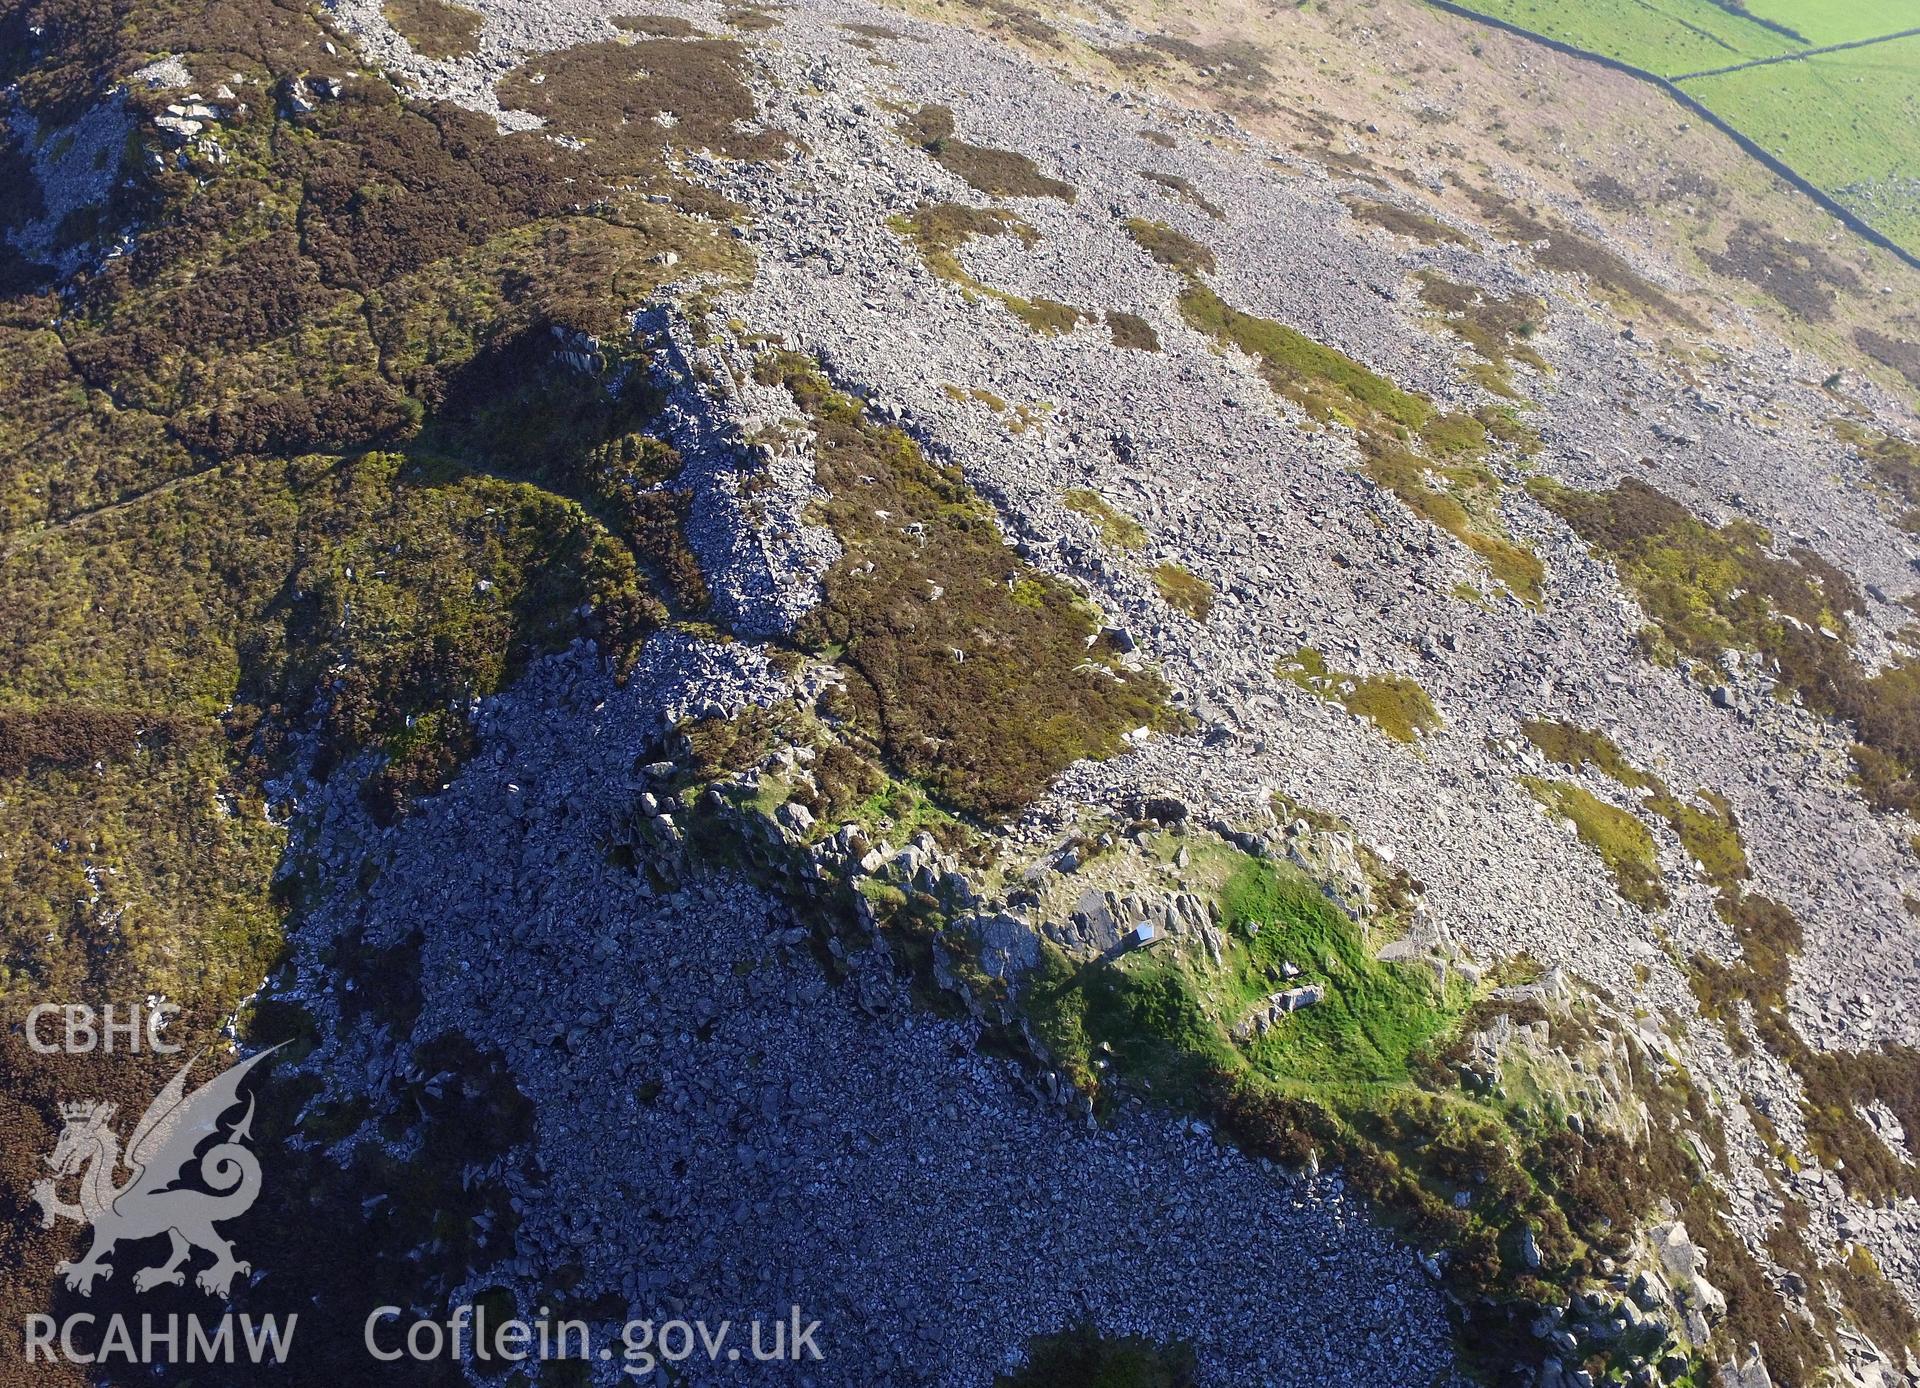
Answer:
(1664, 36)
(1848, 121)
(1822, 22)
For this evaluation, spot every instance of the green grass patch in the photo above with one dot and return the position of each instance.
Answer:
(1848, 122)
(1622, 842)
(1166, 1017)
(1664, 36)
(1361, 1078)
(1118, 529)
(1822, 22)
(1395, 704)
(1183, 590)
(998, 172)
(1707, 830)
(939, 230)
(1173, 249)
(1370, 1079)
(1376, 1017)
(902, 809)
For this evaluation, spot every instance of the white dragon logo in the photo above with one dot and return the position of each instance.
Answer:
(153, 1201)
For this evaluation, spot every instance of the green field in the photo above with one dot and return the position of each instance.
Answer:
(1663, 36)
(1847, 121)
(1839, 21)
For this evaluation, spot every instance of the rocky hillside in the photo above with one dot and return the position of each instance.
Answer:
(1225, 698)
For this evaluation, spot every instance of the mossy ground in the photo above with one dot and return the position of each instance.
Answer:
(1324, 382)
(997, 172)
(938, 232)
(1395, 704)
(1709, 589)
(1433, 461)
(1463, 499)
(1706, 827)
(970, 667)
(335, 596)
(1183, 590)
(1504, 424)
(845, 782)
(1495, 326)
(1119, 530)
(436, 29)
(1616, 835)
